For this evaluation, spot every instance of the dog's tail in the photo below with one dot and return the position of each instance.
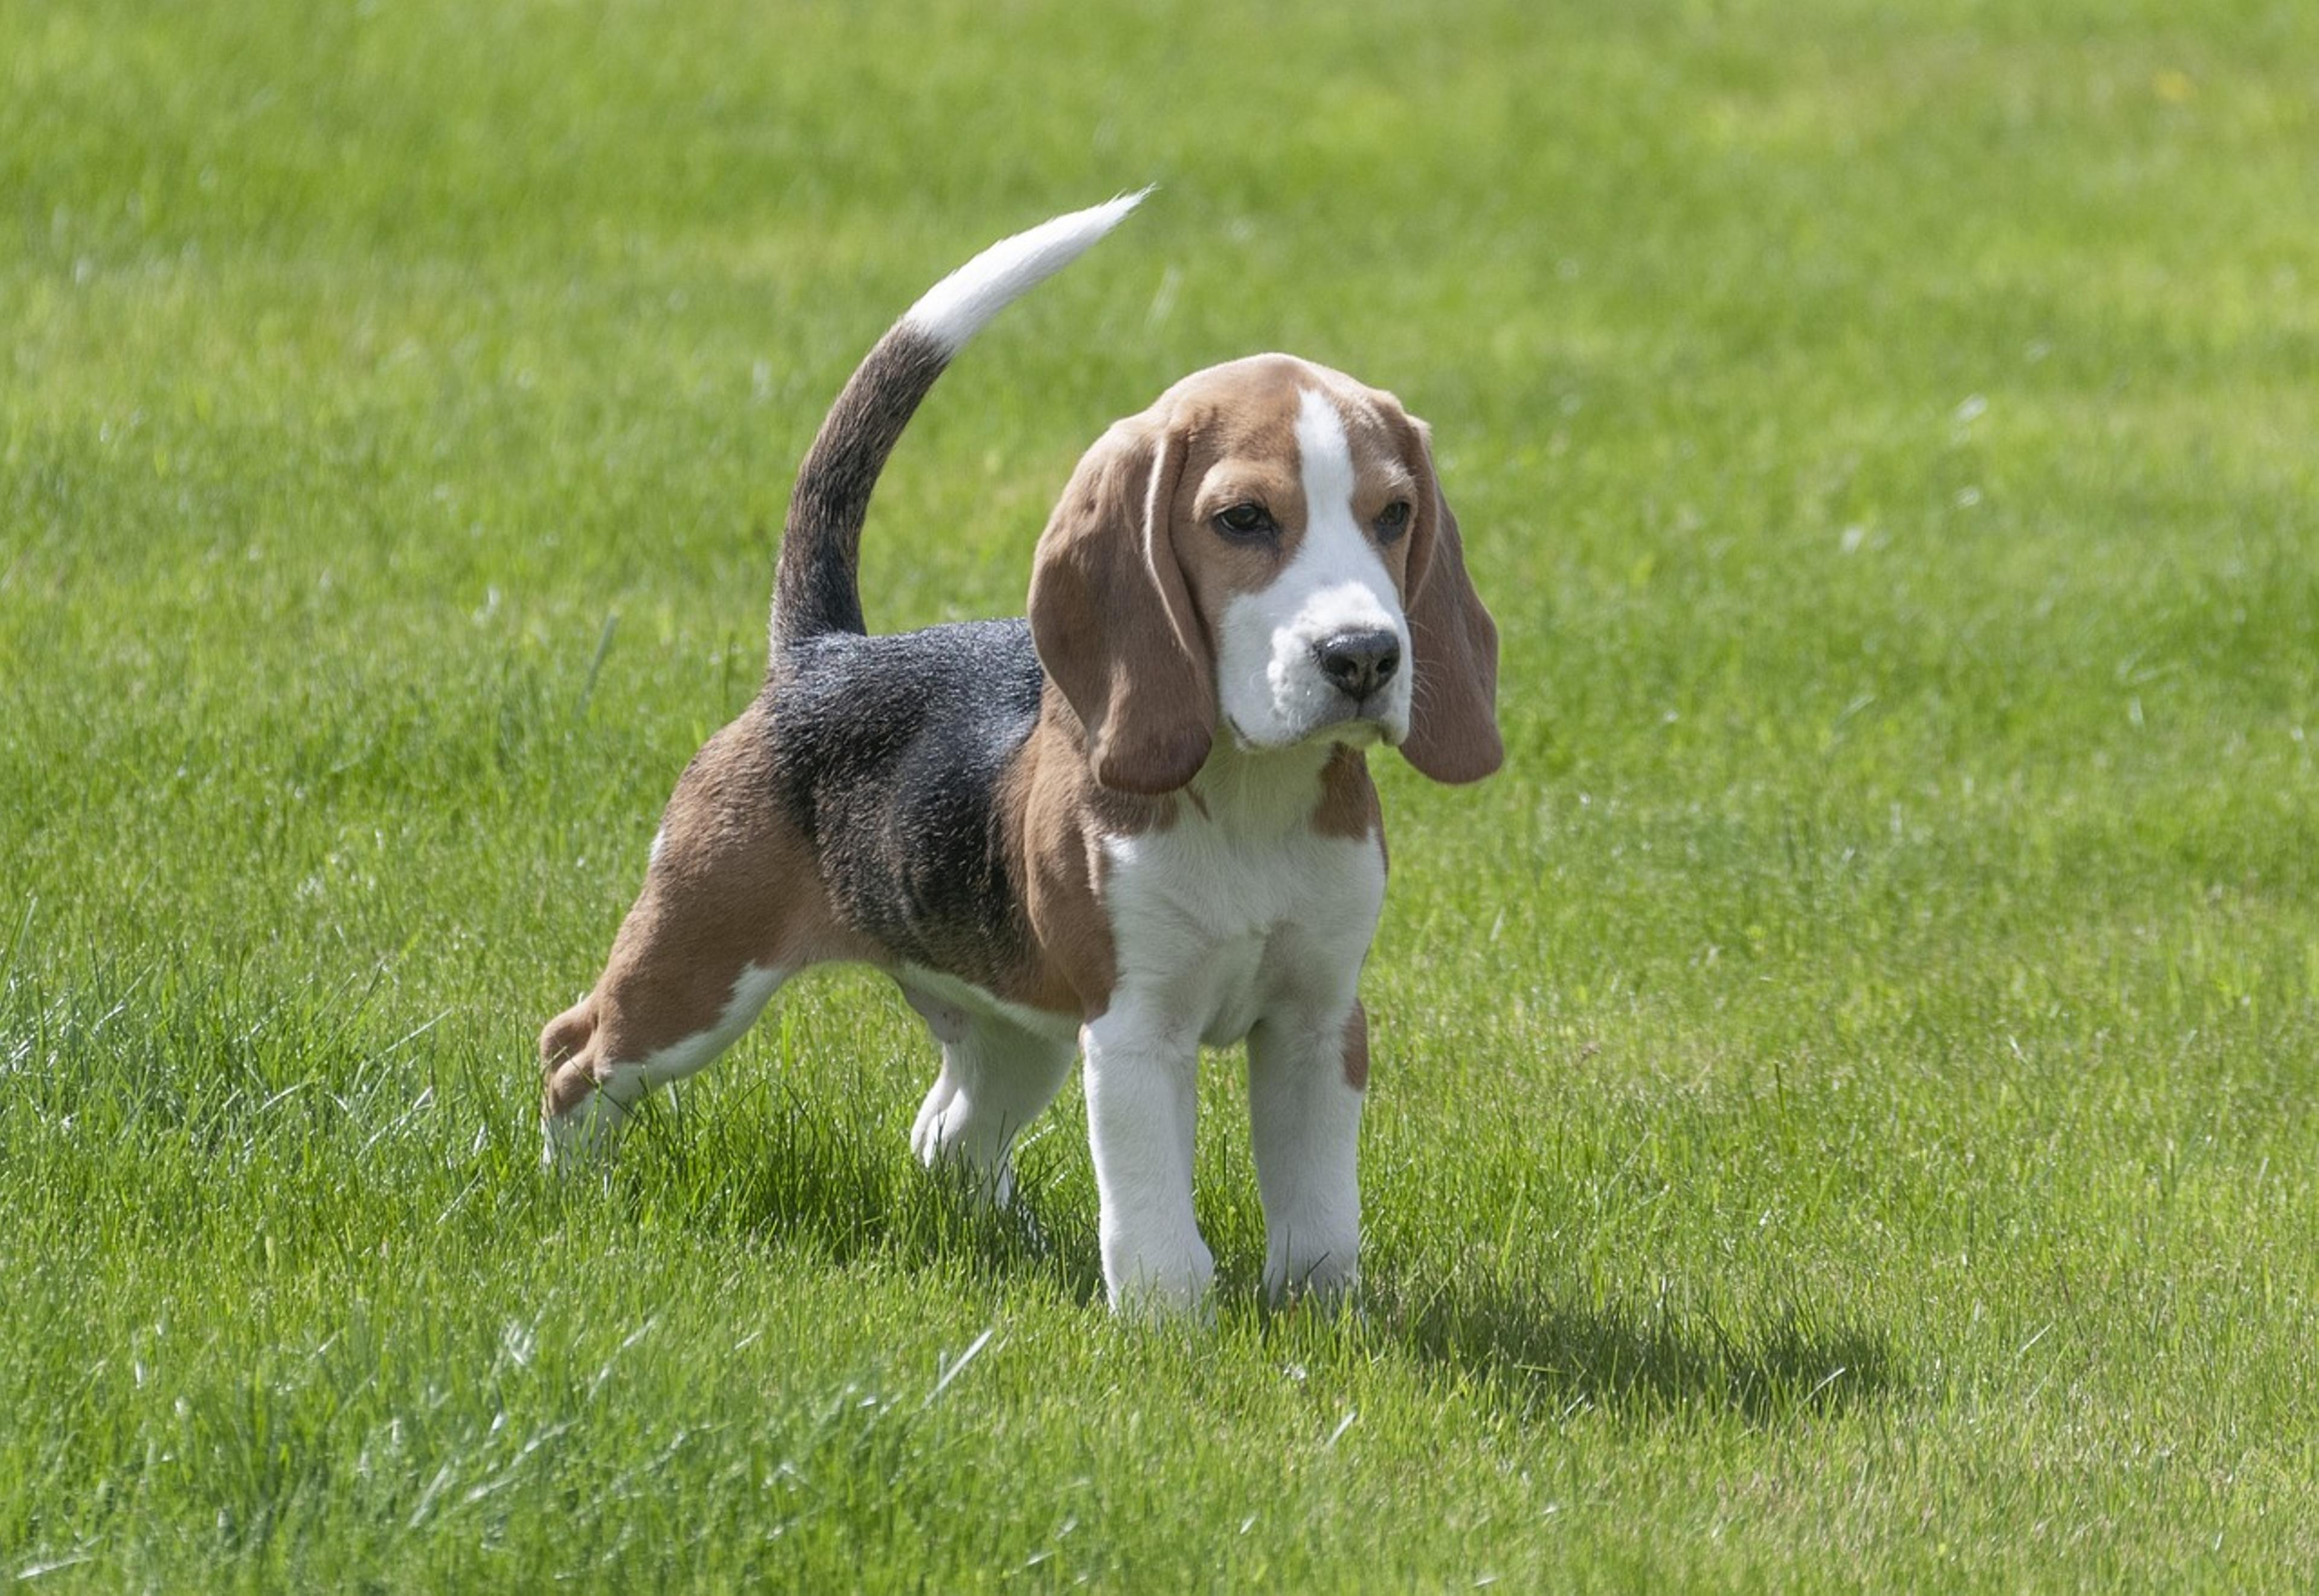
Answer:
(816, 584)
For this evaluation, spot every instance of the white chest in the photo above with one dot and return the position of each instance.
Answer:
(1214, 926)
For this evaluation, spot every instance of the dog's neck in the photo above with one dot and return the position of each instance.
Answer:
(1259, 791)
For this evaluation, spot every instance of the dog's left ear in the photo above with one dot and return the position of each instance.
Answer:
(1453, 721)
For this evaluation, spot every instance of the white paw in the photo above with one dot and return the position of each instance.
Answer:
(581, 1139)
(926, 1134)
(1328, 1278)
(1165, 1281)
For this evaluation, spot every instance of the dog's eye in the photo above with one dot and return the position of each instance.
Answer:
(1393, 521)
(1246, 521)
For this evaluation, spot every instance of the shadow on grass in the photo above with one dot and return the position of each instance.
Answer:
(1543, 1359)
(834, 1183)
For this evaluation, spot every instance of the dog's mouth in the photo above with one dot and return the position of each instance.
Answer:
(1348, 726)
(1358, 732)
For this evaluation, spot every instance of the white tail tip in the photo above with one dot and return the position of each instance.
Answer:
(962, 303)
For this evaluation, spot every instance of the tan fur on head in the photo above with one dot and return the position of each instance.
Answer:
(1130, 581)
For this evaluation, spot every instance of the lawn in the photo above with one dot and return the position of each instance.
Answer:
(1842, 1100)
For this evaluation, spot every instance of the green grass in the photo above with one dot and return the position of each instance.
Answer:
(1843, 1109)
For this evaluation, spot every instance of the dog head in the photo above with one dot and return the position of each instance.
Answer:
(1265, 552)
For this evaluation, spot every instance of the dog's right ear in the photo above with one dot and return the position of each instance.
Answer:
(1113, 617)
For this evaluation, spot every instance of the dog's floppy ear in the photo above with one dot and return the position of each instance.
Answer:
(1453, 722)
(1113, 617)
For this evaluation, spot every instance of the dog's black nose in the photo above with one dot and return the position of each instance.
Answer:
(1358, 663)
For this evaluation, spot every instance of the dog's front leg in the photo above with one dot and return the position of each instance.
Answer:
(1307, 1075)
(1141, 1094)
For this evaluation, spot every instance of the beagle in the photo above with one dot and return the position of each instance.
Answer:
(1135, 823)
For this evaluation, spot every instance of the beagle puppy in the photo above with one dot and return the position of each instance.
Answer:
(1134, 823)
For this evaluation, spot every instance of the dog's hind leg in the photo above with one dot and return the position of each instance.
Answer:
(996, 1078)
(597, 1065)
(731, 908)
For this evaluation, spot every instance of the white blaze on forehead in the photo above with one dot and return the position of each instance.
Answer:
(1337, 579)
(1273, 690)
(1324, 455)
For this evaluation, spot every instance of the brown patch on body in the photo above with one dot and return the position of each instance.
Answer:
(734, 886)
(1348, 799)
(1064, 815)
(1357, 1049)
